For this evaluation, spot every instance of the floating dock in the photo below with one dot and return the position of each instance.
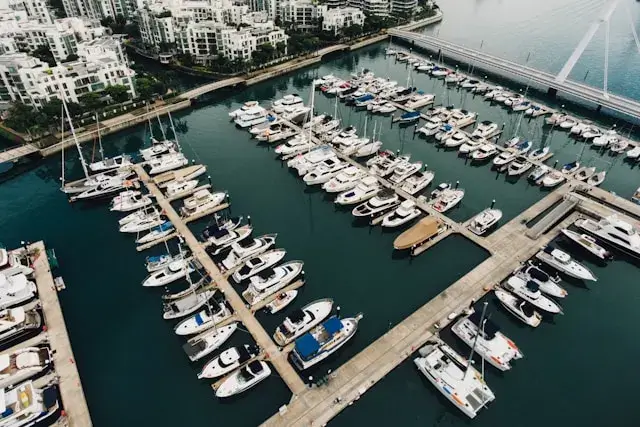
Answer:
(71, 392)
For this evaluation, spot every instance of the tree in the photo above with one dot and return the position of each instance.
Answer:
(185, 59)
(118, 93)
(263, 54)
(91, 101)
(52, 111)
(58, 8)
(21, 117)
(132, 30)
(352, 31)
(43, 53)
(281, 48)
(70, 58)
(107, 21)
(147, 87)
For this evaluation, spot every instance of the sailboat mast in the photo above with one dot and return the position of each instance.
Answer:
(149, 121)
(365, 126)
(99, 137)
(164, 136)
(175, 135)
(311, 116)
(75, 139)
(475, 340)
(62, 142)
(335, 109)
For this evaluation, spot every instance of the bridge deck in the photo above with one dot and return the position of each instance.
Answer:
(12, 154)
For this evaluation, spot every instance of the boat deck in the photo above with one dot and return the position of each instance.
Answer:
(72, 394)
(277, 358)
(187, 193)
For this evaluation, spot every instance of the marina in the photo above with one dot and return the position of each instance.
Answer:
(358, 377)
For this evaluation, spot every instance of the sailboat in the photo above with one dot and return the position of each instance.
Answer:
(107, 164)
(157, 148)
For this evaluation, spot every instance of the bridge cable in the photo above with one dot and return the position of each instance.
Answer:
(606, 58)
(633, 27)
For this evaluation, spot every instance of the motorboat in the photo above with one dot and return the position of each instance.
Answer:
(530, 292)
(244, 378)
(461, 118)
(502, 97)
(296, 115)
(487, 340)
(208, 342)
(202, 201)
(206, 318)
(129, 200)
(222, 239)
(324, 171)
(385, 199)
(270, 131)
(587, 242)
(245, 249)
(403, 171)
(409, 117)
(634, 153)
(176, 270)
(157, 233)
(246, 107)
(303, 163)
(570, 168)
(167, 162)
(183, 174)
(11, 264)
(604, 140)
(366, 188)
(555, 118)
(454, 78)
(323, 340)
(157, 148)
(504, 158)
(553, 178)
(578, 128)
(159, 262)
(324, 80)
(251, 118)
(258, 263)
(291, 100)
(302, 320)
(431, 126)
(228, 361)
(454, 377)
(105, 189)
(448, 199)
(16, 322)
(25, 405)
(520, 309)
(386, 108)
(523, 147)
(272, 119)
(456, 140)
(423, 231)
(141, 221)
(615, 232)
(512, 142)
(15, 290)
(385, 164)
(267, 282)
(177, 188)
(591, 132)
(568, 122)
(417, 182)
(618, 146)
(539, 172)
(547, 284)
(484, 221)
(116, 162)
(180, 307)
(22, 364)
(471, 145)
(520, 105)
(519, 166)
(539, 153)
(469, 83)
(294, 145)
(597, 178)
(345, 180)
(563, 262)
(440, 189)
(584, 173)
(404, 213)
(493, 92)
(106, 179)
(485, 129)
(484, 152)
(281, 301)
(439, 72)
(418, 100)
(445, 132)
(481, 88)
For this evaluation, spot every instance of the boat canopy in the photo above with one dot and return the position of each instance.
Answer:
(410, 114)
(532, 286)
(548, 249)
(426, 228)
(538, 274)
(296, 316)
(307, 345)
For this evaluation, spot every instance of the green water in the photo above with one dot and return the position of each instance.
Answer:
(131, 363)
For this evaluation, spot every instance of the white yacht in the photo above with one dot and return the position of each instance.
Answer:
(11, 264)
(634, 153)
(448, 199)
(176, 270)
(116, 162)
(522, 310)
(198, 347)
(519, 166)
(15, 290)
(303, 163)
(366, 188)
(243, 250)
(258, 129)
(185, 305)
(288, 101)
(129, 200)
(141, 221)
(445, 132)
(157, 148)
(222, 240)
(486, 129)
(179, 187)
(563, 262)
(456, 140)
(385, 199)
(24, 363)
(167, 162)
(539, 153)
(454, 377)
(17, 321)
(419, 100)
(471, 144)
(252, 117)
(505, 158)
(268, 282)
(156, 233)
(431, 126)
(346, 179)
(257, 264)
(407, 211)
(300, 321)
(228, 361)
(484, 152)
(323, 340)
(324, 171)
(484, 221)
(461, 118)
(403, 171)
(539, 172)
(385, 163)
(530, 292)
(491, 344)
(107, 179)
(207, 318)
(104, 189)
(24, 405)
(202, 201)
(282, 300)
(183, 174)
(615, 232)
(587, 242)
(246, 107)
(553, 178)
(549, 285)
(244, 378)
(294, 145)
(417, 182)
(158, 262)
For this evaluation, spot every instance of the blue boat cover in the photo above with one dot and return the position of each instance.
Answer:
(198, 319)
(410, 114)
(366, 97)
(307, 345)
(332, 325)
(448, 127)
(155, 258)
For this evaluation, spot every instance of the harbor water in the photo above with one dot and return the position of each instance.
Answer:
(131, 363)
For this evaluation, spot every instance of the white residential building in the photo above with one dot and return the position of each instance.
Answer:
(32, 82)
(98, 9)
(199, 39)
(403, 7)
(335, 3)
(372, 7)
(299, 14)
(34, 9)
(336, 19)
(234, 43)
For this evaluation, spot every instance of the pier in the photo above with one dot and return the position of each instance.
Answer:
(71, 392)
(272, 353)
